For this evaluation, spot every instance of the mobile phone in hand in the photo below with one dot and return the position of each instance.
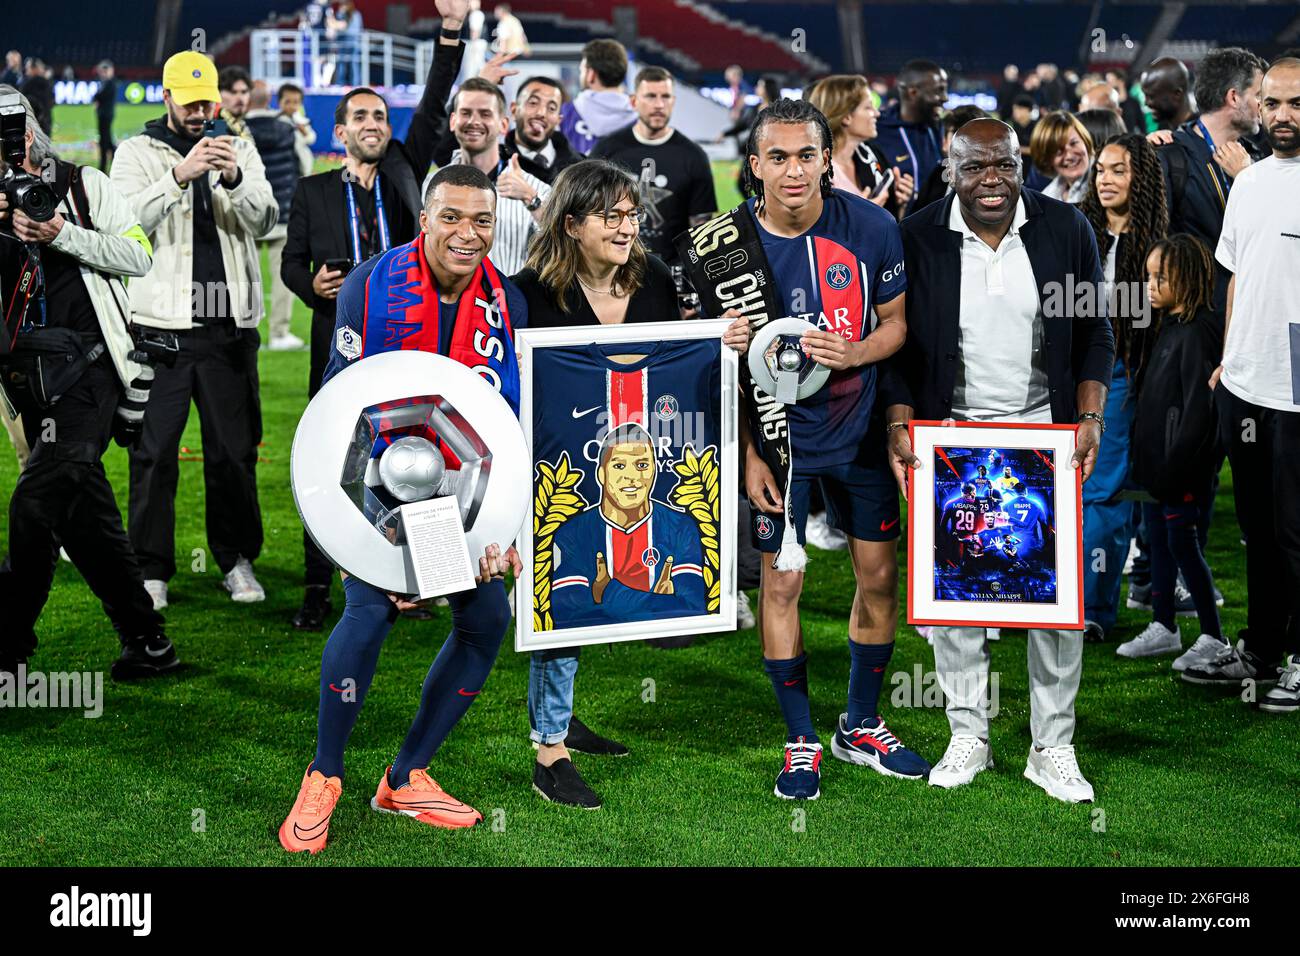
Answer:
(216, 127)
(339, 265)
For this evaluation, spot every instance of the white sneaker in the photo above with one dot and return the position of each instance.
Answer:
(286, 343)
(1203, 651)
(1152, 642)
(1285, 697)
(1133, 552)
(242, 585)
(158, 591)
(744, 613)
(1056, 770)
(821, 535)
(965, 757)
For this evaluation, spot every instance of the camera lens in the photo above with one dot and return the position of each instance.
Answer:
(38, 201)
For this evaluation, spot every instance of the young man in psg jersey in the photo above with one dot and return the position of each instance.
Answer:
(838, 262)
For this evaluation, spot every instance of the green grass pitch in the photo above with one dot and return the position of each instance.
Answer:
(199, 768)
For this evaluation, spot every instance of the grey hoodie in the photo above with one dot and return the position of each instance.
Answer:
(593, 114)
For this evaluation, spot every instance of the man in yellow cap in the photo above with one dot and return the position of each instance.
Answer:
(203, 199)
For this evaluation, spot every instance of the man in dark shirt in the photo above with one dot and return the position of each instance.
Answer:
(345, 216)
(105, 105)
(674, 172)
(1165, 84)
(40, 92)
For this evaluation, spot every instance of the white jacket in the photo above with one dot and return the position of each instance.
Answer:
(116, 246)
(142, 170)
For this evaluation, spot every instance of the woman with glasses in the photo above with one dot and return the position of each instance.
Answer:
(586, 266)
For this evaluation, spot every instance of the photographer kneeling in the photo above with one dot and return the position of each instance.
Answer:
(67, 238)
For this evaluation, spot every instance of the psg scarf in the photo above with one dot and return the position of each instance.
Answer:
(402, 313)
(725, 261)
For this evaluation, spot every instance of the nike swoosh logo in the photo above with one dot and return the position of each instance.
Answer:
(337, 690)
(886, 525)
(899, 159)
(309, 833)
(791, 683)
(163, 653)
(469, 693)
(578, 414)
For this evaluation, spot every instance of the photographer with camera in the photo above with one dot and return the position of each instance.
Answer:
(203, 199)
(67, 237)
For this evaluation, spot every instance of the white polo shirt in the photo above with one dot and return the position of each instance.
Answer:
(1001, 372)
(1260, 245)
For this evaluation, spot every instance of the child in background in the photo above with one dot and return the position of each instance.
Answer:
(1174, 440)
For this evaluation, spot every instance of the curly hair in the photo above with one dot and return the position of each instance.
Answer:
(1224, 69)
(1189, 271)
(795, 112)
(1148, 222)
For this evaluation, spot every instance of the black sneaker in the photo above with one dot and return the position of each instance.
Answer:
(145, 657)
(316, 605)
(1093, 632)
(586, 741)
(560, 783)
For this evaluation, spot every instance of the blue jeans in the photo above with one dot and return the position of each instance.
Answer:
(1108, 518)
(550, 693)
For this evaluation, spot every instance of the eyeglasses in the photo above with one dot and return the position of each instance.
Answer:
(613, 218)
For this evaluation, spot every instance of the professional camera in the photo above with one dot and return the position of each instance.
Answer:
(153, 347)
(687, 297)
(24, 191)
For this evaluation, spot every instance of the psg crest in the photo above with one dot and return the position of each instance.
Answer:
(780, 366)
(402, 427)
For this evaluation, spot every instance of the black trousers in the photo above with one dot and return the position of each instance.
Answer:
(1264, 449)
(217, 369)
(319, 570)
(63, 496)
(106, 144)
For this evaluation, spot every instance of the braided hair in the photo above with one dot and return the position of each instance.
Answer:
(1148, 222)
(1189, 273)
(783, 111)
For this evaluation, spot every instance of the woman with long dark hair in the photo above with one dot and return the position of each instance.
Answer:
(587, 266)
(1125, 203)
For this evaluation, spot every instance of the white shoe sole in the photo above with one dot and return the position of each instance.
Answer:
(963, 781)
(1049, 787)
(849, 755)
(1288, 708)
(247, 598)
(374, 805)
(1133, 605)
(786, 796)
(1145, 652)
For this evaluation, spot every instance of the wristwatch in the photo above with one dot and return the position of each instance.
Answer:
(1092, 416)
(535, 203)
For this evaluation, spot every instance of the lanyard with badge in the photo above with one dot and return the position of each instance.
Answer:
(1220, 176)
(354, 219)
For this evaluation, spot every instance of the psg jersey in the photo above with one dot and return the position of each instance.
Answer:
(832, 275)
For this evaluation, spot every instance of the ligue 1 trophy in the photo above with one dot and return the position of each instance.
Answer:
(398, 428)
(780, 366)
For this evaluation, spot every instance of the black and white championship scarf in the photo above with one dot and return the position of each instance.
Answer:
(725, 261)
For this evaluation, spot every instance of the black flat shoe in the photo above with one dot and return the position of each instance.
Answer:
(586, 741)
(316, 605)
(145, 657)
(561, 783)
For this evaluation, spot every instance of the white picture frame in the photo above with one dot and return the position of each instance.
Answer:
(533, 342)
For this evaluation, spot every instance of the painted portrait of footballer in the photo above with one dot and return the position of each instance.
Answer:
(627, 440)
(994, 530)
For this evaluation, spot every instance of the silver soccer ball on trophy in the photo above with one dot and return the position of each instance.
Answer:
(412, 469)
(780, 366)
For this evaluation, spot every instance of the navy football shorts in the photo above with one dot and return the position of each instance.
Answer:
(861, 499)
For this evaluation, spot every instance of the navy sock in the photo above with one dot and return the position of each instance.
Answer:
(790, 681)
(347, 667)
(867, 664)
(479, 621)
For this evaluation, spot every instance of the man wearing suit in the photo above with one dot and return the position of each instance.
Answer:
(985, 267)
(368, 206)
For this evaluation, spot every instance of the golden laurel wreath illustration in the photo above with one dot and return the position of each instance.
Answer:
(555, 502)
(696, 493)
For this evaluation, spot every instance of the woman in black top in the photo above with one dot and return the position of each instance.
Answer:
(587, 265)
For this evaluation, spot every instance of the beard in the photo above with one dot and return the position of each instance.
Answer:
(1288, 145)
(364, 151)
(191, 130)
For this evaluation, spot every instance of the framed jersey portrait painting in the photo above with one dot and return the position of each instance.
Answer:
(995, 519)
(632, 435)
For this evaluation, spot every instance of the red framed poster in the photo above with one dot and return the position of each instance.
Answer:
(995, 526)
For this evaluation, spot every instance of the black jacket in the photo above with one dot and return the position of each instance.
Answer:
(318, 218)
(655, 301)
(40, 93)
(1060, 243)
(275, 144)
(1175, 433)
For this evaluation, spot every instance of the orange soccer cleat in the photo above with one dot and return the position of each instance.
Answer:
(308, 824)
(422, 799)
